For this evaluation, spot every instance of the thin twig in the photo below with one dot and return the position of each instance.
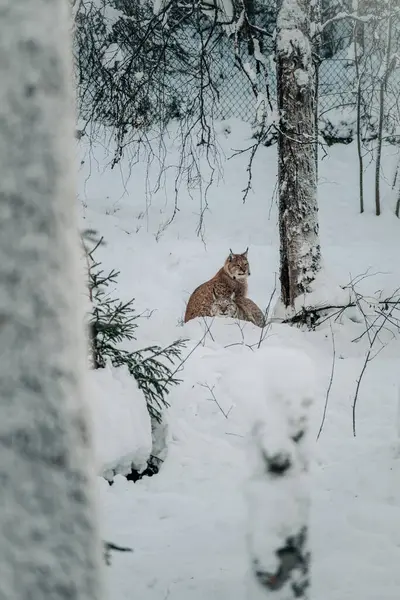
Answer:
(330, 382)
(214, 399)
(368, 358)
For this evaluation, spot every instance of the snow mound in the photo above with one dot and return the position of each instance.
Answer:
(120, 422)
(277, 490)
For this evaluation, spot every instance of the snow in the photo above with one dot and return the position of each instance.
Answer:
(188, 524)
(250, 72)
(302, 77)
(121, 422)
(290, 15)
(50, 546)
(258, 55)
(287, 39)
(159, 6)
(325, 292)
(278, 506)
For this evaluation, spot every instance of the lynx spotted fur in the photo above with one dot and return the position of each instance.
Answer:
(230, 279)
(224, 307)
(247, 310)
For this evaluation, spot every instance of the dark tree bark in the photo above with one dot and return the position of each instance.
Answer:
(49, 547)
(298, 208)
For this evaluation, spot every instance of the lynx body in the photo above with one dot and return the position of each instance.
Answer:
(247, 310)
(231, 279)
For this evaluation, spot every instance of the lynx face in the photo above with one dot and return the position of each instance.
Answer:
(237, 266)
(223, 307)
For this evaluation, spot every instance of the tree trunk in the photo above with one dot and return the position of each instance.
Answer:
(382, 89)
(49, 548)
(396, 186)
(359, 124)
(297, 186)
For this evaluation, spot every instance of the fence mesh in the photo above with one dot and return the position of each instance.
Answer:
(232, 96)
(139, 68)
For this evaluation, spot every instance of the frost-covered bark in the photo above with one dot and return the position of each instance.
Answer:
(278, 493)
(49, 547)
(298, 208)
(383, 77)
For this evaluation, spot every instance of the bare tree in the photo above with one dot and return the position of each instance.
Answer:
(383, 77)
(297, 186)
(49, 545)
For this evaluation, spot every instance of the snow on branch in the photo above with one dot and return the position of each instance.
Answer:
(355, 17)
(345, 15)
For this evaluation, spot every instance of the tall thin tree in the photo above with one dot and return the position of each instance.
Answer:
(297, 186)
(359, 74)
(383, 75)
(49, 547)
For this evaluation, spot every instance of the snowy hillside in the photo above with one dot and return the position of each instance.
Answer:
(187, 524)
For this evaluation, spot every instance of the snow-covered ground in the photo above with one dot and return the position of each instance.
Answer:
(187, 525)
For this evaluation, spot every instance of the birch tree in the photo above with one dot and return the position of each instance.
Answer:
(383, 76)
(297, 186)
(49, 546)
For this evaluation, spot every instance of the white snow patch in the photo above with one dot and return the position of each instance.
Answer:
(187, 524)
(258, 55)
(121, 422)
(290, 15)
(278, 507)
(302, 77)
(250, 72)
(325, 291)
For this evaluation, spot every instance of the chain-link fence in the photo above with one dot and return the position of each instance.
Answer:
(230, 94)
(188, 66)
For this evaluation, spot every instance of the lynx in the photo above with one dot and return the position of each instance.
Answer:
(224, 307)
(247, 310)
(231, 278)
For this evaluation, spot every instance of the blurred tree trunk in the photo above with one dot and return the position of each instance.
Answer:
(297, 186)
(383, 75)
(49, 547)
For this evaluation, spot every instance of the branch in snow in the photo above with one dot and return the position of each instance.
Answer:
(214, 399)
(109, 547)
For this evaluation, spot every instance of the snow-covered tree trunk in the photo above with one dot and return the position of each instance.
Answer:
(298, 208)
(383, 77)
(356, 37)
(278, 494)
(49, 546)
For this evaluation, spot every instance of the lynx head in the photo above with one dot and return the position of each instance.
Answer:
(223, 306)
(237, 266)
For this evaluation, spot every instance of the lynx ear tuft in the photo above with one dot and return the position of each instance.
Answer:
(230, 255)
(245, 252)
